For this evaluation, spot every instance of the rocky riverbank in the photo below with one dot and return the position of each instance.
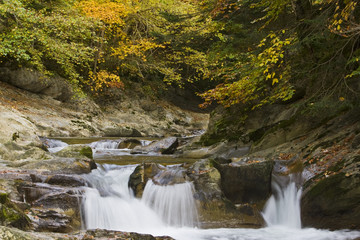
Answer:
(319, 138)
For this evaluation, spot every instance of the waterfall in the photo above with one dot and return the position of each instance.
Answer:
(53, 145)
(174, 203)
(283, 207)
(108, 203)
(105, 144)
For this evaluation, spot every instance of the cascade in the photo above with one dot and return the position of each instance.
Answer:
(283, 207)
(171, 196)
(105, 144)
(108, 202)
(54, 145)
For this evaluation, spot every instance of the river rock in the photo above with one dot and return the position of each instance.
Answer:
(215, 211)
(53, 208)
(63, 165)
(52, 221)
(164, 146)
(246, 183)
(11, 215)
(116, 235)
(35, 82)
(129, 143)
(333, 202)
(75, 150)
(65, 180)
(141, 175)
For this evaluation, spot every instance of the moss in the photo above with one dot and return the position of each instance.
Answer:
(87, 152)
(3, 198)
(11, 215)
(327, 187)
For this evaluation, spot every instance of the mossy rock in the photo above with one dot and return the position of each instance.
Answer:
(332, 202)
(11, 215)
(87, 152)
(75, 150)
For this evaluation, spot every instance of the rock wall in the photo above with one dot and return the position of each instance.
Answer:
(321, 138)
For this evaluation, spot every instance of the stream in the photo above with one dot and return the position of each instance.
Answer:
(170, 209)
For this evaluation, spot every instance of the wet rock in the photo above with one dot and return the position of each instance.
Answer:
(11, 214)
(52, 221)
(333, 202)
(65, 180)
(75, 151)
(206, 180)
(141, 175)
(116, 235)
(121, 132)
(170, 176)
(63, 165)
(164, 146)
(129, 143)
(53, 208)
(215, 211)
(246, 183)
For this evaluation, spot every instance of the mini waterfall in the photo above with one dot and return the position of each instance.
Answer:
(283, 207)
(54, 145)
(108, 203)
(174, 203)
(105, 144)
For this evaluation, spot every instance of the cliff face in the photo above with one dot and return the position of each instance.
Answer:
(321, 138)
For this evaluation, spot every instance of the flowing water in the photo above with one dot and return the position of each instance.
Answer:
(168, 208)
(283, 207)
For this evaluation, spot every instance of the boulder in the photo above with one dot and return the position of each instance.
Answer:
(141, 175)
(53, 208)
(112, 235)
(75, 150)
(215, 211)
(246, 182)
(36, 82)
(52, 221)
(129, 143)
(11, 215)
(332, 202)
(60, 165)
(65, 180)
(164, 146)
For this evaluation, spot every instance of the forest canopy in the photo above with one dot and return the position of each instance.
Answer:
(249, 52)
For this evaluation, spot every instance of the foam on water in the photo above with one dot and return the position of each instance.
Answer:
(165, 210)
(54, 145)
(283, 207)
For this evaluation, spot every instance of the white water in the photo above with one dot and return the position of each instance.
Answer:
(174, 203)
(109, 204)
(283, 207)
(54, 145)
(105, 144)
(105, 149)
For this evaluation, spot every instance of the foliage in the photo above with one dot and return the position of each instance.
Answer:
(52, 39)
(233, 51)
(264, 77)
